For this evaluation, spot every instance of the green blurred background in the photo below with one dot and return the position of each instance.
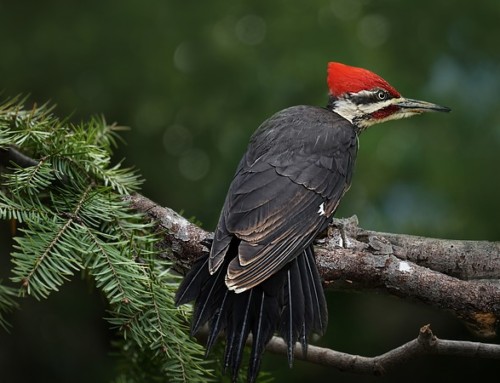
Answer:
(193, 80)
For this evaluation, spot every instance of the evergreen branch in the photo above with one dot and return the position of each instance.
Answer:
(161, 337)
(43, 260)
(122, 180)
(30, 209)
(60, 267)
(37, 178)
(103, 265)
(74, 218)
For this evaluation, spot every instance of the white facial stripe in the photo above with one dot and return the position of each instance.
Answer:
(370, 108)
(352, 111)
(347, 109)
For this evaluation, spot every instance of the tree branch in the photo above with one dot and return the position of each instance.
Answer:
(458, 258)
(459, 276)
(425, 344)
(350, 257)
(374, 264)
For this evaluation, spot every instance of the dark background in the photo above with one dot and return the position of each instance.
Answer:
(194, 79)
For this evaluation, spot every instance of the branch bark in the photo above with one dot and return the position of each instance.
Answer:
(459, 276)
(428, 270)
(425, 344)
(368, 259)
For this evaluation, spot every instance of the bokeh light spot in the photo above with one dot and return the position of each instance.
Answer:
(194, 164)
(184, 57)
(373, 30)
(251, 29)
(177, 139)
(346, 9)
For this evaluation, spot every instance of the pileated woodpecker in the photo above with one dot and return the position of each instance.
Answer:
(260, 276)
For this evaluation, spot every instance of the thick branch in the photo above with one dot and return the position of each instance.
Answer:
(374, 265)
(458, 258)
(352, 258)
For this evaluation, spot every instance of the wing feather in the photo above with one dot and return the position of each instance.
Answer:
(283, 195)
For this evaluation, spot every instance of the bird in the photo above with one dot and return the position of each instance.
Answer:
(260, 275)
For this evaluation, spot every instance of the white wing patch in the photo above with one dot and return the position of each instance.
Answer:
(321, 210)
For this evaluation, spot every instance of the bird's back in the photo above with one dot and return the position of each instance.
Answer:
(301, 157)
(260, 276)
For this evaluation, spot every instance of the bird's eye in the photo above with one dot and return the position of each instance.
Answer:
(381, 95)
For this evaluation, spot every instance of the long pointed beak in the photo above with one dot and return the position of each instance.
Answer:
(417, 106)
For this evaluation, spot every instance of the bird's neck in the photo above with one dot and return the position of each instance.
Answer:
(349, 111)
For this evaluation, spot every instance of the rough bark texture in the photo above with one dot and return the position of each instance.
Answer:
(457, 258)
(183, 242)
(447, 274)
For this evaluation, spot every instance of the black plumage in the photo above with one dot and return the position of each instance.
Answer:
(260, 276)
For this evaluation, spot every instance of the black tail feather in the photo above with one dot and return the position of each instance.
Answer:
(209, 295)
(309, 312)
(261, 334)
(218, 323)
(269, 298)
(193, 282)
(291, 302)
(292, 319)
(318, 302)
(238, 328)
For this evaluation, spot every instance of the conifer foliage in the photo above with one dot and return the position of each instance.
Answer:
(65, 195)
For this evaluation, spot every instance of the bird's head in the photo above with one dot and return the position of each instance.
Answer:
(364, 98)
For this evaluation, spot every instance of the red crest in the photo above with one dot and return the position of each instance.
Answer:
(343, 79)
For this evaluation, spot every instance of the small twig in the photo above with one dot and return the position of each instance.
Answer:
(425, 344)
